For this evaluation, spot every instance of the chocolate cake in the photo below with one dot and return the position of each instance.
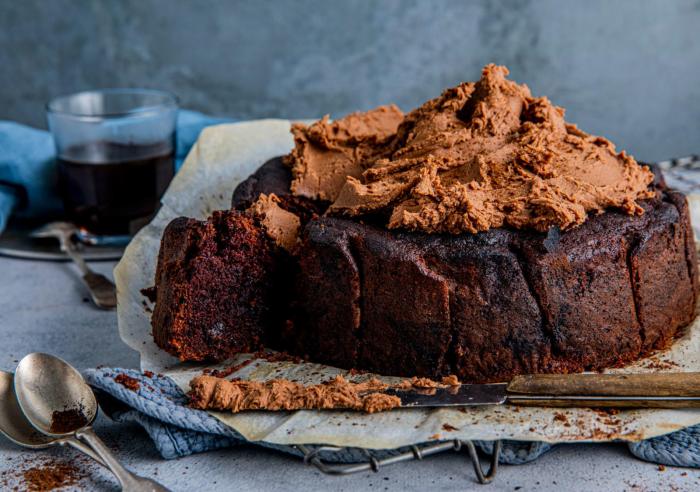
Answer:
(490, 305)
(480, 235)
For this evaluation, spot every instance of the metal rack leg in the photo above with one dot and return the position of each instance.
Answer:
(493, 467)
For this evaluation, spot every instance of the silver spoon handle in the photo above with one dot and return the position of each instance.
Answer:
(129, 481)
(83, 448)
(78, 260)
(102, 290)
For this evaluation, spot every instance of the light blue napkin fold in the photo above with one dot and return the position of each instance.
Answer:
(28, 173)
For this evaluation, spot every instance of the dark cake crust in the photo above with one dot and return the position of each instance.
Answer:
(491, 305)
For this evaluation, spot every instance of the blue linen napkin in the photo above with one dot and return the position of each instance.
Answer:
(159, 406)
(28, 173)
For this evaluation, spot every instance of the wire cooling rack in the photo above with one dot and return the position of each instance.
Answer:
(312, 456)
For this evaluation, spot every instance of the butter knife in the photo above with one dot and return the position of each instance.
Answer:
(669, 390)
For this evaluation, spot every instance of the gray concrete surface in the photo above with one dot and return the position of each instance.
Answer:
(43, 308)
(625, 69)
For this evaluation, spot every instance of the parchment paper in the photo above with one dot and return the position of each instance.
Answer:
(225, 155)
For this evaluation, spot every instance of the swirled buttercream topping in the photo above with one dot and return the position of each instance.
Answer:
(485, 155)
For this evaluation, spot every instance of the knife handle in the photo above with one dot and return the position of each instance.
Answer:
(669, 390)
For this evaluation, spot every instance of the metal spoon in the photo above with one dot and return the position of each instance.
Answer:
(58, 402)
(102, 290)
(15, 426)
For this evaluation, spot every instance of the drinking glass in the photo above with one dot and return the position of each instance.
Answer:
(115, 156)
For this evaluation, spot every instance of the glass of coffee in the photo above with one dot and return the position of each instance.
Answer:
(115, 155)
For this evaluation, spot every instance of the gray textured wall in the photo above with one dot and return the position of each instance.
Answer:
(628, 69)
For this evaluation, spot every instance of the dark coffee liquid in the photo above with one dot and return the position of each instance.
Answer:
(112, 188)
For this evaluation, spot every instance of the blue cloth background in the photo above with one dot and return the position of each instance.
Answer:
(28, 172)
(176, 430)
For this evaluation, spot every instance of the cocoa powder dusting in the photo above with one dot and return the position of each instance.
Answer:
(64, 421)
(43, 474)
(51, 477)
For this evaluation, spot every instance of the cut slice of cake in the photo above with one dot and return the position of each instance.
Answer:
(214, 287)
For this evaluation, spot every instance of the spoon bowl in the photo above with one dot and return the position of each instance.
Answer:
(53, 395)
(13, 423)
(58, 402)
(63, 231)
(15, 426)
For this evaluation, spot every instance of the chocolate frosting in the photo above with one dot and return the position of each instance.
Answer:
(326, 152)
(208, 392)
(482, 155)
(280, 225)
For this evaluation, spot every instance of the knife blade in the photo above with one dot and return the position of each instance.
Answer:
(670, 390)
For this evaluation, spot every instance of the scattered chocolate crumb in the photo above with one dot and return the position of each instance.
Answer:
(278, 357)
(148, 374)
(261, 354)
(449, 428)
(128, 382)
(68, 420)
(229, 370)
(149, 293)
(560, 417)
(146, 307)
